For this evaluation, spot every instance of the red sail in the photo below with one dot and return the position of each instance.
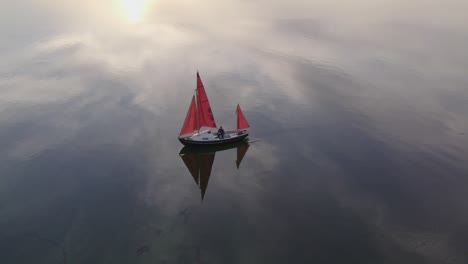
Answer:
(190, 123)
(205, 114)
(241, 121)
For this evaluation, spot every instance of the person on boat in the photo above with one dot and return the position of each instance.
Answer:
(221, 132)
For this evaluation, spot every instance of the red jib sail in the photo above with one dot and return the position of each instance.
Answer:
(190, 123)
(205, 114)
(241, 121)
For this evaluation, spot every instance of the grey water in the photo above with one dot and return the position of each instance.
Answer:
(358, 147)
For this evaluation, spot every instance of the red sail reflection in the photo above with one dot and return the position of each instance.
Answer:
(199, 161)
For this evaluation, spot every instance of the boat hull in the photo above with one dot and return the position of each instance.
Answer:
(218, 142)
(212, 148)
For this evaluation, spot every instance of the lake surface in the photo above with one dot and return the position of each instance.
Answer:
(359, 132)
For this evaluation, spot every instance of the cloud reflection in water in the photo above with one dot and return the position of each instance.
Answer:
(360, 120)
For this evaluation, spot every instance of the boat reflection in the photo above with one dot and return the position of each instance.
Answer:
(199, 161)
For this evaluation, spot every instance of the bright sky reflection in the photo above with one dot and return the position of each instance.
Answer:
(135, 10)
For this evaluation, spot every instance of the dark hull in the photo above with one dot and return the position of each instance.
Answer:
(212, 148)
(219, 142)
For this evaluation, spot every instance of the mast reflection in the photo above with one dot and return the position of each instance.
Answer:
(199, 161)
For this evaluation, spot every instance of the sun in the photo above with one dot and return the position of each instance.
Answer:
(135, 10)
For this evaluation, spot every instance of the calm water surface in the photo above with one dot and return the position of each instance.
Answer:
(359, 140)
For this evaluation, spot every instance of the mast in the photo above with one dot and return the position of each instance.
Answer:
(198, 115)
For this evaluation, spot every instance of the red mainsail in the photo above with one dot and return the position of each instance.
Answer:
(241, 121)
(190, 123)
(205, 115)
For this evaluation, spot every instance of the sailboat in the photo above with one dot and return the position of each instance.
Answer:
(199, 161)
(199, 116)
